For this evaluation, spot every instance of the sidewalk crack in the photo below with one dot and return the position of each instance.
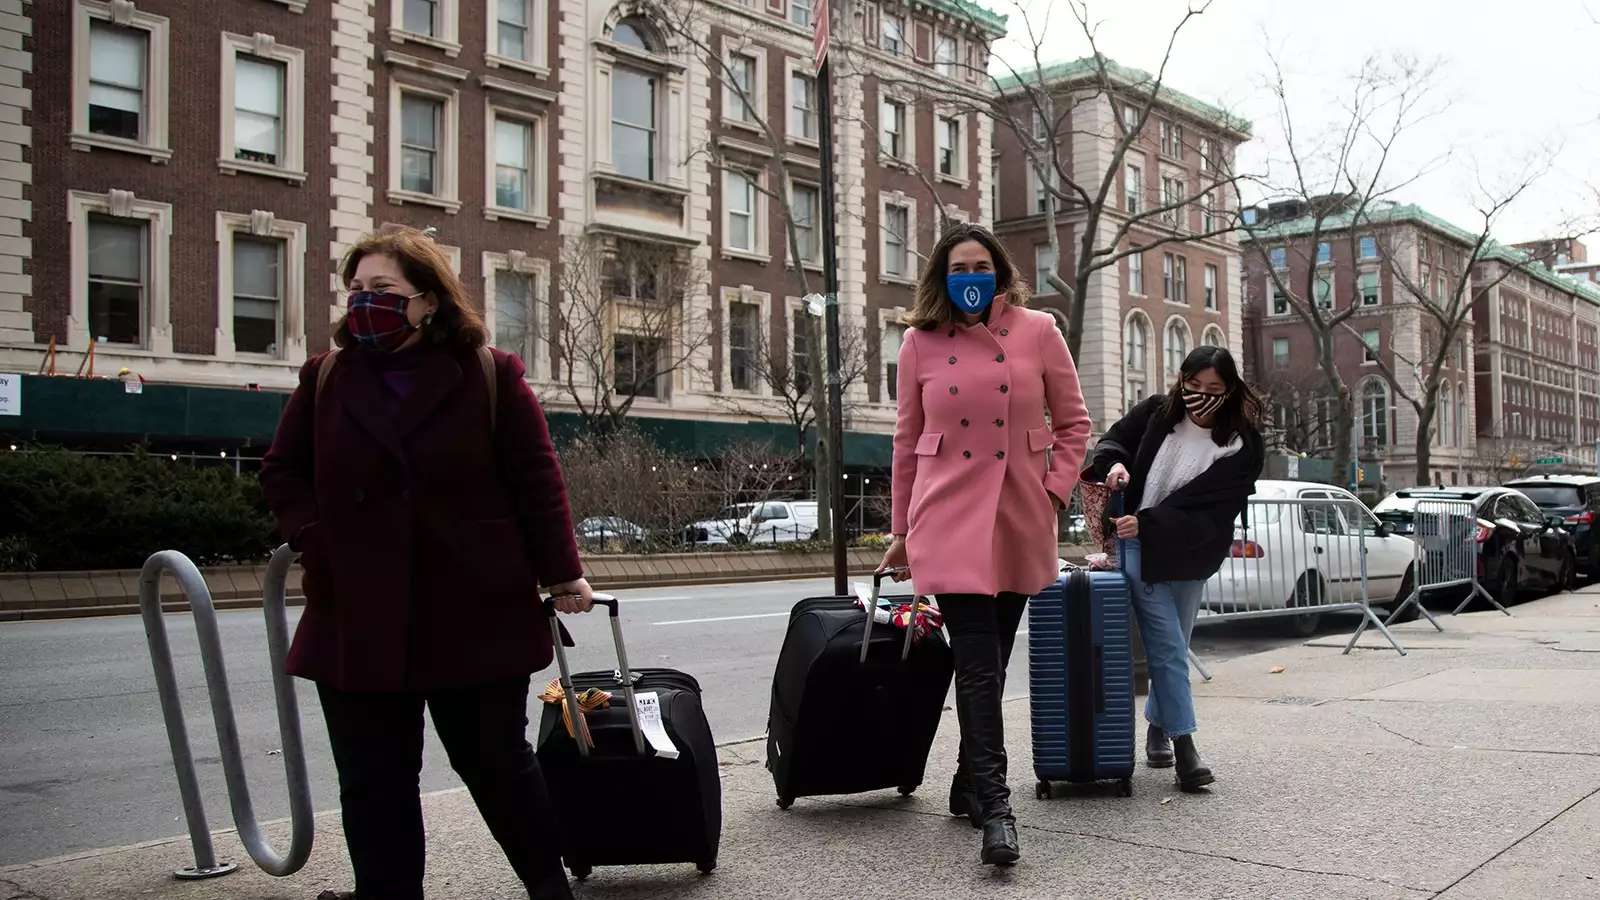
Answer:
(1514, 844)
(1404, 737)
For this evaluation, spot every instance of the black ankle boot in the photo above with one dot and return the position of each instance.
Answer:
(1157, 748)
(1192, 773)
(963, 798)
(1000, 845)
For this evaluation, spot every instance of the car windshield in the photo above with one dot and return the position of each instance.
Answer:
(1551, 495)
(735, 512)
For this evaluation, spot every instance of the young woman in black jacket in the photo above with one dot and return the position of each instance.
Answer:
(1188, 462)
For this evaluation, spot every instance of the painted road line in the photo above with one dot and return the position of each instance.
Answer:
(722, 619)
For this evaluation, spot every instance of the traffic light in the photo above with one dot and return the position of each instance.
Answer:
(1361, 475)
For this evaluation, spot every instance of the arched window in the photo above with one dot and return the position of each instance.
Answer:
(635, 106)
(1446, 434)
(637, 34)
(1177, 346)
(1375, 412)
(1461, 415)
(1137, 337)
(1213, 337)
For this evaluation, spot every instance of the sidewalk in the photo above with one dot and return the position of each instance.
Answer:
(1467, 769)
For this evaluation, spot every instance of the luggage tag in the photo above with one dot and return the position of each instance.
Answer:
(880, 614)
(648, 704)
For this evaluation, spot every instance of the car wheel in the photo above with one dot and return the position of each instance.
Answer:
(1568, 580)
(1506, 590)
(1307, 592)
(1414, 611)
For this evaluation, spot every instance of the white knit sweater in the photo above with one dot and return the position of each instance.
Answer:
(1184, 456)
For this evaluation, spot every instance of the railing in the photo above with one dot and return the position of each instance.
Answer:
(1445, 535)
(294, 760)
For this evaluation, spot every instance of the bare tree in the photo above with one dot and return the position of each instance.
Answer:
(1335, 180)
(627, 324)
(768, 387)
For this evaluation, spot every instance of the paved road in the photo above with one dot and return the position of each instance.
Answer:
(84, 761)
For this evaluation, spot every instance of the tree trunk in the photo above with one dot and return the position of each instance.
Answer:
(1425, 440)
(1343, 433)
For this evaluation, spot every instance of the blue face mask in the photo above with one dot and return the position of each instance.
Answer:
(970, 292)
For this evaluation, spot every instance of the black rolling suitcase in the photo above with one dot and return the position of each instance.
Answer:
(853, 708)
(621, 803)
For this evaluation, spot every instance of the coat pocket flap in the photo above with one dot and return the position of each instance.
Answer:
(928, 444)
(1040, 439)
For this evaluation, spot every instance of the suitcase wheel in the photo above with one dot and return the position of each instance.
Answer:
(785, 802)
(1044, 791)
(907, 790)
(1125, 787)
(707, 867)
(581, 872)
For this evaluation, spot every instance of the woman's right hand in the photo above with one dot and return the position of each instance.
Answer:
(895, 560)
(1117, 478)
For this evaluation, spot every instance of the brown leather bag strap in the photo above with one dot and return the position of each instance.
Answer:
(323, 371)
(486, 360)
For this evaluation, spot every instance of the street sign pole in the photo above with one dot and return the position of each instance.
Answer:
(823, 27)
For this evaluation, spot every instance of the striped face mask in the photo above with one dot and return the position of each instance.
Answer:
(378, 321)
(1201, 404)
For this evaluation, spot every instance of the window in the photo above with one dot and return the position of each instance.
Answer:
(263, 104)
(1136, 273)
(1324, 253)
(1369, 288)
(513, 34)
(1280, 353)
(1445, 432)
(994, 191)
(1044, 263)
(1133, 187)
(117, 279)
(944, 56)
(743, 88)
(1177, 342)
(1041, 193)
(1369, 247)
(893, 39)
(896, 233)
(744, 334)
(800, 12)
(635, 363)
(893, 125)
(1168, 263)
(422, 17)
(802, 106)
(800, 337)
(739, 192)
(1324, 292)
(1208, 213)
(1130, 118)
(633, 120)
(805, 205)
(1371, 339)
(258, 110)
(1211, 287)
(1181, 281)
(1137, 336)
(949, 136)
(119, 79)
(419, 143)
(1213, 337)
(514, 298)
(1171, 195)
(1207, 162)
(1279, 257)
(257, 294)
(894, 337)
(1041, 129)
(513, 164)
(1375, 412)
(1171, 139)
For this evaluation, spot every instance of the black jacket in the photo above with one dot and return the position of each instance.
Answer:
(1186, 536)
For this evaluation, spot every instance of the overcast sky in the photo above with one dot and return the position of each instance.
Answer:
(1515, 78)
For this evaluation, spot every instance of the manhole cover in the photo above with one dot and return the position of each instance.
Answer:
(1293, 701)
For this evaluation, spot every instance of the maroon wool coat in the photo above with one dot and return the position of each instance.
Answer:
(424, 536)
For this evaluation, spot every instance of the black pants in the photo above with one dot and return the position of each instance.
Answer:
(377, 747)
(983, 631)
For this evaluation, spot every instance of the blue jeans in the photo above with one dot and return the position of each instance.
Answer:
(1166, 611)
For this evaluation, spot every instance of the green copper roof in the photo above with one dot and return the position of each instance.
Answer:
(1085, 68)
(1396, 213)
(971, 12)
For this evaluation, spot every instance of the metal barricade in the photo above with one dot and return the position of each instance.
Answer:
(1445, 533)
(1303, 557)
(294, 760)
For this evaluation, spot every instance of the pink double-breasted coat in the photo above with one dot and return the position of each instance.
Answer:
(976, 467)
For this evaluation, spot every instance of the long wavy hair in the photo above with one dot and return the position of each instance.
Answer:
(932, 309)
(1240, 414)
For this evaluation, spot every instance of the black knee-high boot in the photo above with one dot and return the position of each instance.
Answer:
(978, 694)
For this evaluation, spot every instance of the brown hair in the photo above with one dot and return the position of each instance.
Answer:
(455, 323)
(932, 309)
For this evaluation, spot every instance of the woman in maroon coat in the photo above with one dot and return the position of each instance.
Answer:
(427, 523)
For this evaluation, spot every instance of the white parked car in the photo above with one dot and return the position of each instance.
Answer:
(1309, 552)
(772, 522)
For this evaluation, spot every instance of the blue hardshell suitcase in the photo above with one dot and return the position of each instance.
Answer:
(1080, 680)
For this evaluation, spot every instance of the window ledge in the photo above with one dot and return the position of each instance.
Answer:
(401, 36)
(86, 142)
(808, 143)
(629, 181)
(246, 167)
(742, 125)
(894, 162)
(1169, 158)
(401, 197)
(496, 61)
(956, 180)
(495, 213)
(808, 266)
(896, 280)
(297, 6)
(1181, 304)
(746, 255)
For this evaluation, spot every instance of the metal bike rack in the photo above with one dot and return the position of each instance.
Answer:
(194, 589)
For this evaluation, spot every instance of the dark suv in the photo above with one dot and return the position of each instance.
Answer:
(1576, 499)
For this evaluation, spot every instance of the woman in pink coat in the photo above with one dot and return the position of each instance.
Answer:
(978, 478)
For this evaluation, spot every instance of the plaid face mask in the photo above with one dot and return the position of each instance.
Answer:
(379, 321)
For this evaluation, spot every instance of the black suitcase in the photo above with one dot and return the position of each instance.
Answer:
(853, 709)
(622, 804)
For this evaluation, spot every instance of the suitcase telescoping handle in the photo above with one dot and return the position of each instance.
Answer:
(911, 622)
(569, 696)
(1115, 504)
